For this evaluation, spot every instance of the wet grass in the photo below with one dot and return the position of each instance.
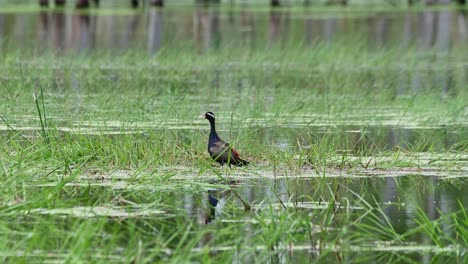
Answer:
(356, 155)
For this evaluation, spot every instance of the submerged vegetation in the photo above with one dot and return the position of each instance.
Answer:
(357, 154)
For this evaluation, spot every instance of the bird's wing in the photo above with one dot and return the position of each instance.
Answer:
(218, 147)
(235, 153)
(224, 146)
(220, 144)
(221, 148)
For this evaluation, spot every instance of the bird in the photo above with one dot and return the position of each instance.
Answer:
(219, 149)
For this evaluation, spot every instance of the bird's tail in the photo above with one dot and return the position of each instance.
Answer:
(241, 162)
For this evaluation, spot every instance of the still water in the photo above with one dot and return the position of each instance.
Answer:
(398, 191)
(207, 29)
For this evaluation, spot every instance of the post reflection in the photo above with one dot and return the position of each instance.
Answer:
(155, 29)
(205, 26)
(274, 26)
(83, 35)
(58, 31)
(248, 29)
(43, 30)
(130, 34)
(309, 30)
(397, 197)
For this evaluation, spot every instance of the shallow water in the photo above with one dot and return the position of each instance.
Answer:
(398, 198)
(350, 139)
(213, 28)
(363, 184)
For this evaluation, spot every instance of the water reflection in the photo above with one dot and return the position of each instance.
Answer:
(274, 26)
(400, 199)
(58, 32)
(435, 31)
(247, 29)
(206, 28)
(85, 32)
(212, 30)
(356, 140)
(154, 30)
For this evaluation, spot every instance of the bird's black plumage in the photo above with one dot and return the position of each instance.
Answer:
(219, 149)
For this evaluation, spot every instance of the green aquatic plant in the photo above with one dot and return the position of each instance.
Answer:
(350, 146)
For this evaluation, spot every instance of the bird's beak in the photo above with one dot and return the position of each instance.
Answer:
(201, 116)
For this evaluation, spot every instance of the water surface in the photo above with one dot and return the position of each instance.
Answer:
(389, 166)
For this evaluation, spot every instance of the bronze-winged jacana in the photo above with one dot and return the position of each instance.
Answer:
(220, 150)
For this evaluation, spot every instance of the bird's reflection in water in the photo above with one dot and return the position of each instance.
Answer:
(213, 210)
(216, 203)
(217, 199)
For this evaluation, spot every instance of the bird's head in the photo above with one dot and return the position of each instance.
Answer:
(208, 115)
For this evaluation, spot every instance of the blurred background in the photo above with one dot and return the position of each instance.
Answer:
(110, 26)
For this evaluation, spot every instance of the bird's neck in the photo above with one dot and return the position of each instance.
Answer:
(213, 134)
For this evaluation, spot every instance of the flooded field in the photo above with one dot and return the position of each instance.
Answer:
(355, 123)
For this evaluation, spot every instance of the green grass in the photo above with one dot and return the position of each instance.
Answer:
(349, 162)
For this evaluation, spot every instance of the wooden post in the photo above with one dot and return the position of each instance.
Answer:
(435, 2)
(157, 2)
(337, 2)
(82, 3)
(44, 3)
(59, 3)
